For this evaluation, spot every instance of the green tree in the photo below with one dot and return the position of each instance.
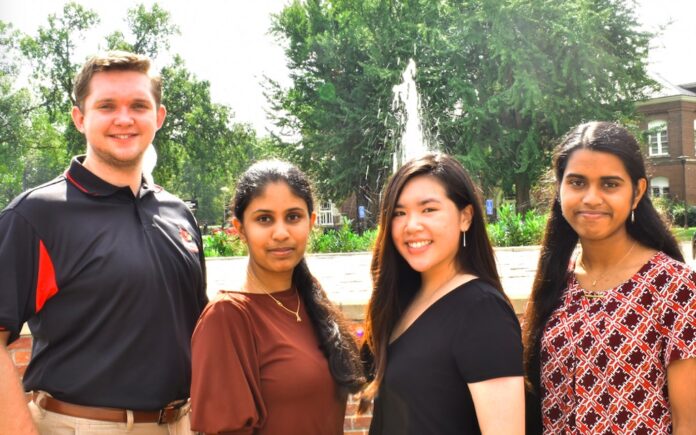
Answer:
(14, 106)
(338, 103)
(543, 67)
(52, 56)
(27, 149)
(151, 32)
(46, 156)
(31, 150)
(13, 131)
(199, 147)
(500, 81)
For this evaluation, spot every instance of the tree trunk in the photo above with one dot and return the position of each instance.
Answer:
(522, 187)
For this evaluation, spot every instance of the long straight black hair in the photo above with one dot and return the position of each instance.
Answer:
(560, 239)
(394, 282)
(336, 340)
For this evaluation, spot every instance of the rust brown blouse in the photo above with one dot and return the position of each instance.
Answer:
(256, 370)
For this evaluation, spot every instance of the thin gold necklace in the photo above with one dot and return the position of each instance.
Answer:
(593, 294)
(280, 304)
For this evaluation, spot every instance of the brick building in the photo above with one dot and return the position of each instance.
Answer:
(669, 120)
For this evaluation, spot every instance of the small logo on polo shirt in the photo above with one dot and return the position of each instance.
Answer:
(187, 240)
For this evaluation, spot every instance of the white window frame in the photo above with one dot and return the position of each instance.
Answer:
(325, 215)
(658, 139)
(659, 186)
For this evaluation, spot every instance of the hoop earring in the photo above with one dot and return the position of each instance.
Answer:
(633, 216)
(464, 239)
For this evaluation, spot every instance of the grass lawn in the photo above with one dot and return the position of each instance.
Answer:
(683, 234)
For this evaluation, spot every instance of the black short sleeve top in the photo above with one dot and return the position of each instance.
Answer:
(469, 335)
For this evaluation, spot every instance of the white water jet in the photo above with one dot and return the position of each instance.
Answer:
(149, 163)
(407, 105)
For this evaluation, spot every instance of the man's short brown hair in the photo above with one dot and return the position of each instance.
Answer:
(114, 61)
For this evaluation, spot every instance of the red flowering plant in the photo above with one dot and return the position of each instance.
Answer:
(224, 242)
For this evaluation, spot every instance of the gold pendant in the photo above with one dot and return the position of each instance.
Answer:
(594, 295)
(297, 316)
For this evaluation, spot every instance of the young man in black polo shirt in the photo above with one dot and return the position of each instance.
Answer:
(108, 271)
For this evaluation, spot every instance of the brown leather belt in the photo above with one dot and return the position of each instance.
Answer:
(169, 414)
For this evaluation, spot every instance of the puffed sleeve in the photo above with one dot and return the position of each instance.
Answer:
(679, 316)
(19, 273)
(488, 342)
(225, 384)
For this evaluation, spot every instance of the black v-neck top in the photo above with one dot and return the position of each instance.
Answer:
(469, 335)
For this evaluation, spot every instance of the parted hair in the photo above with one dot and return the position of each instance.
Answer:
(394, 282)
(337, 343)
(114, 61)
(560, 239)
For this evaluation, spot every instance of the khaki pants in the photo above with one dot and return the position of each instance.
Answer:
(51, 423)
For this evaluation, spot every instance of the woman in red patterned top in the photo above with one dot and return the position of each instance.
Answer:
(610, 334)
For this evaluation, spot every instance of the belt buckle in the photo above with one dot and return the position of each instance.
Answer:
(162, 417)
(174, 407)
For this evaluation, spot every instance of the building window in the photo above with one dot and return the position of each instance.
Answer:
(657, 138)
(659, 186)
(325, 214)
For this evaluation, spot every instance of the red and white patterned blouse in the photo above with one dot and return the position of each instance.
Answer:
(604, 361)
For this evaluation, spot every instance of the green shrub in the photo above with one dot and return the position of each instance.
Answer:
(513, 229)
(342, 239)
(227, 243)
(663, 206)
(677, 217)
(673, 211)
(223, 243)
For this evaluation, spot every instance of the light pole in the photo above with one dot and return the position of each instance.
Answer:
(686, 204)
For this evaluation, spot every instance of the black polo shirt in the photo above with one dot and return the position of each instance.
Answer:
(111, 285)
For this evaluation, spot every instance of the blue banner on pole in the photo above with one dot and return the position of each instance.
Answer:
(361, 212)
(489, 207)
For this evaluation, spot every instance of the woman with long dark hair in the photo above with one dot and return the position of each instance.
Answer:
(446, 345)
(274, 358)
(609, 335)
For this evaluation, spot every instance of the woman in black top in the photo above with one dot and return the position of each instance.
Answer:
(445, 341)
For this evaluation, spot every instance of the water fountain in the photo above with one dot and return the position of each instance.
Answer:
(149, 163)
(406, 104)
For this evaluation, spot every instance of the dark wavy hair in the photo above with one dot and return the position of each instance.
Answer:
(336, 340)
(394, 282)
(560, 239)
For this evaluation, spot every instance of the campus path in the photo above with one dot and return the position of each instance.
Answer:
(346, 277)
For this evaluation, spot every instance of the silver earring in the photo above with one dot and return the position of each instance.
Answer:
(464, 239)
(633, 216)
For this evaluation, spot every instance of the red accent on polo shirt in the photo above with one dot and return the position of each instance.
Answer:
(46, 286)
